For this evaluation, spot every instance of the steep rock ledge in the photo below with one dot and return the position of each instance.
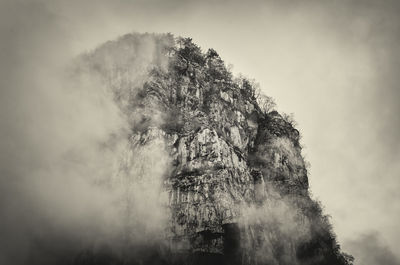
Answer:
(237, 190)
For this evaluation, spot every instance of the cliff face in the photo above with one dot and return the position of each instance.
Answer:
(236, 189)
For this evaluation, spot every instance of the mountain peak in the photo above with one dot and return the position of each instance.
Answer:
(236, 189)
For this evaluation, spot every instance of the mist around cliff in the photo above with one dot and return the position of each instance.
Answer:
(62, 137)
(50, 139)
(64, 189)
(66, 125)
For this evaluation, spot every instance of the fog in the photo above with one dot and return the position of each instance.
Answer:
(64, 187)
(334, 64)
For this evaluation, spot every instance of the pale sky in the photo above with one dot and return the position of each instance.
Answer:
(334, 64)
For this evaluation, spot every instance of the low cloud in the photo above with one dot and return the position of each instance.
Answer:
(370, 249)
(63, 136)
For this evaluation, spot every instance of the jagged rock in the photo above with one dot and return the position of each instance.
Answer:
(238, 186)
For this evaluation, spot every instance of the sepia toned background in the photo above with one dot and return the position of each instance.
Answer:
(334, 64)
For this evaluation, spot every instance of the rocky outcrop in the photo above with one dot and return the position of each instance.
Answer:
(237, 189)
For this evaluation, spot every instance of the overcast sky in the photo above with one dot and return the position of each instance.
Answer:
(334, 64)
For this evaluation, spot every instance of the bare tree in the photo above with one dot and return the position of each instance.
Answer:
(266, 103)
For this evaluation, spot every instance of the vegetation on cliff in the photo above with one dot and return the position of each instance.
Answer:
(238, 187)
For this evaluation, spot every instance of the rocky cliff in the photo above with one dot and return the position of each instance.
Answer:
(235, 188)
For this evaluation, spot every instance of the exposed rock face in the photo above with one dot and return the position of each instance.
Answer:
(237, 189)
